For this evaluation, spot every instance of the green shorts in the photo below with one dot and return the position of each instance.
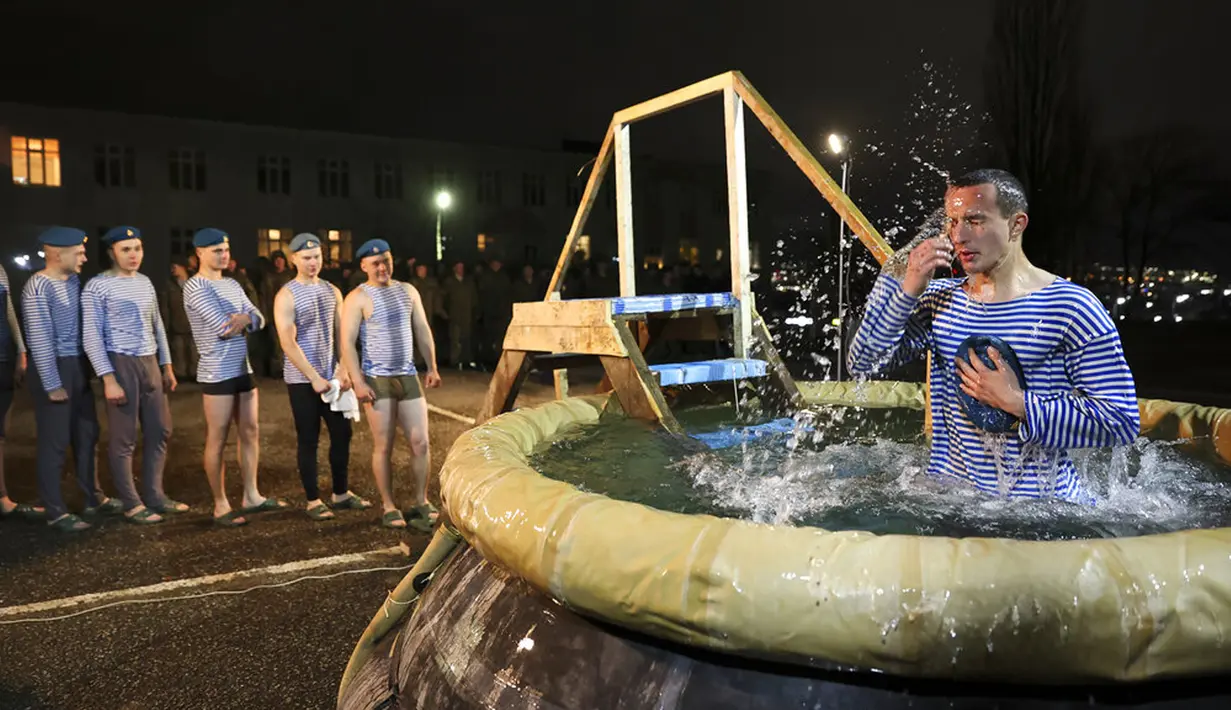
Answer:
(402, 388)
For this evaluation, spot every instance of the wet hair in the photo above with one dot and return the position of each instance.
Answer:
(1010, 195)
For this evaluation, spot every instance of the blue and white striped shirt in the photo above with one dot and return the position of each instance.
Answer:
(210, 305)
(1079, 390)
(119, 314)
(51, 311)
(387, 337)
(316, 307)
(6, 338)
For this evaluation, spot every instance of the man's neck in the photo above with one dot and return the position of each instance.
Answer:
(1011, 277)
(206, 272)
(377, 284)
(122, 273)
(307, 280)
(55, 273)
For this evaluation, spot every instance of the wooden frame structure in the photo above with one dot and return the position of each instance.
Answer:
(543, 333)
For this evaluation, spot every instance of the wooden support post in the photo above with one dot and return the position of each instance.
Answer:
(737, 208)
(505, 385)
(624, 211)
(559, 378)
(778, 371)
(634, 384)
(579, 219)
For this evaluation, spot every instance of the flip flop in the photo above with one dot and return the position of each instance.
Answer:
(391, 519)
(320, 512)
(25, 511)
(232, 519)
(70, 524)
(270, 503)
(420, 517)
(143, 518)
(351, 502)
(170, 507)
(111, 506)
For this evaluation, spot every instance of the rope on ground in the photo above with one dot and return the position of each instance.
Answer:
(452, 415)
(202, 595)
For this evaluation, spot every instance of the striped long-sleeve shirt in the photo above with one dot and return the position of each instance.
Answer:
(51, 311)
(210, 305)
(1079, 391)
(119, 314)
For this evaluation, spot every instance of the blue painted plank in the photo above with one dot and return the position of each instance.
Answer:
(688, 373)
(734, 436)
(670, 302)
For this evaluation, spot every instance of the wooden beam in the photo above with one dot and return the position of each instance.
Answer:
(624, 211)
(559, 379)
(588, 313)
(505, 385)
(778, 371)
(597, 340)
(636, 386)
(583, 213)
(737, 209)
(675, 99)
(811, 168)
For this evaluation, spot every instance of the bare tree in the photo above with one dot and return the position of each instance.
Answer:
(1039, 121)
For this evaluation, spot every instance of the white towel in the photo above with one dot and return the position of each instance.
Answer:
(345, 402)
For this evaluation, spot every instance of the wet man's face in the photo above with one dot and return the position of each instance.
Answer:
(980, 233)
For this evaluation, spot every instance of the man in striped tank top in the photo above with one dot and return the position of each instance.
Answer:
(63, 401)
(125, 340)
(307, 312)
(12, 374)
(220, 314)
(1078, 391)
(388, 316)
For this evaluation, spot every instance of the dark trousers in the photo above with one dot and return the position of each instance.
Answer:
(145, 404)
(61, 424)
(307, 409)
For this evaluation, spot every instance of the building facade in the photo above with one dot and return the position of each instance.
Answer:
(169, 177)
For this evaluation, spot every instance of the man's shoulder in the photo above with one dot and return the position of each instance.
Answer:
(1073, 295)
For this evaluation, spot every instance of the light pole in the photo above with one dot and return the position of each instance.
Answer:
(443, 200)
(840, 145)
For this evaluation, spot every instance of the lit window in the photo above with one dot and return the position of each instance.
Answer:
(337, 245)
(270, 240)
(583, 245)
(483, 242)
(689, 253)
(36, 161)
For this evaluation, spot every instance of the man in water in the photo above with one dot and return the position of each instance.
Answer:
(1078, 392)
(126, 342)
(63, 401)
(390, 318)
(220, 314)
(306, 312)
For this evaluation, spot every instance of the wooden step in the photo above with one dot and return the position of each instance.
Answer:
(691, 373)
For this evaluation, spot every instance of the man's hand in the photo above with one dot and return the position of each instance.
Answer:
(237, 324)
(997, 387)
(364, 393)
(169, 383)
(930, 255)
(344, 383)
(19, 372)
(432, 379)
(113, 391)
(58, 395)
(320, 385)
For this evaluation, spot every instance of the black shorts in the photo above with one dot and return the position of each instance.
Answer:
(6, 391)
(235, 385)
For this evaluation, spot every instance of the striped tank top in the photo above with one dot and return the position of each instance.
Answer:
(386, 337)
(315, 309)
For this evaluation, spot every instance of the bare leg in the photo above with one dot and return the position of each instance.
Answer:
(412, 419)
(249, 446)
(381, 419)
(218, 413)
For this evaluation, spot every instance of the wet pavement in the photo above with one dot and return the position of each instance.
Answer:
(283, 648)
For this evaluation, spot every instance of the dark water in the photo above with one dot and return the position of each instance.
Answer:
(864, 470)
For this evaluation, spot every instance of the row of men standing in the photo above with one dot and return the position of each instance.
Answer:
(113, 327)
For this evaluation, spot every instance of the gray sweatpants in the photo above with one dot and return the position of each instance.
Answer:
(61, 424)
(145, 404)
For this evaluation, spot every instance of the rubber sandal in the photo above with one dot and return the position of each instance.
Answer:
(145, 517)
(392, 518)
(70, 524)
(25, 511)
(170, 507)
(270, 503)
(320, 512)
(420, 517)
(352, 502)
(232, 519)
(111, 506)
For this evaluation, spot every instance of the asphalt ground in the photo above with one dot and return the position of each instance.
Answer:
(271, 647)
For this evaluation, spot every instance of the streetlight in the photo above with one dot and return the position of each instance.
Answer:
(840, 145)
(443, 200)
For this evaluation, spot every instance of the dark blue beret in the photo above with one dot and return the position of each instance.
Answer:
(208, 237)
(372, 247)
(307, 240)
(119, 234)
(62, 237)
